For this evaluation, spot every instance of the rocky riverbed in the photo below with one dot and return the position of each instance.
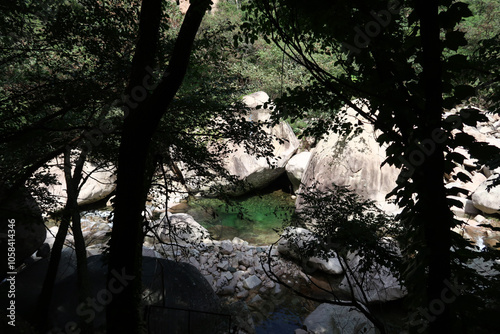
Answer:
(235, 269)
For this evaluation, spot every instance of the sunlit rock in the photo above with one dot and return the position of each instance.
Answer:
(352, 160)
(255, 171)
(333, 319)
(487, 197)
(181, 228)
(99, 183)
(295, 168)
(293, 243)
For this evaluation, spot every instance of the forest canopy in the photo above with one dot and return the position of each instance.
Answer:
(141, 86)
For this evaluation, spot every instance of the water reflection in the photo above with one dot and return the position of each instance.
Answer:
(255, 219)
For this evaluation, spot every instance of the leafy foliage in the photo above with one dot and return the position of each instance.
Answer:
(347, 224)
(66, 66)
(408, 72)
(63, 66)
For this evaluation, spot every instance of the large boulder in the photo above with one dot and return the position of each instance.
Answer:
(487, 197)
(296, 167)
(483, 136)
(352, 160)
(256, 172)
(293, 243)
(22, 223)
(337, 319)
(175, 292)
(99, 184)
(462, 207)
(378, 284)
(181, 228)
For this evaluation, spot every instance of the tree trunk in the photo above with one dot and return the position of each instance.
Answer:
(436, 215)
(73, 189)
(124, 312)
(45, 298)
(70, 212)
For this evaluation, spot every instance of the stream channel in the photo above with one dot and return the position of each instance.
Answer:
(257, 219)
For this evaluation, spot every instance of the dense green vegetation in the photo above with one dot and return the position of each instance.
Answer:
(257, 219)
(69, 81)
(410, 61)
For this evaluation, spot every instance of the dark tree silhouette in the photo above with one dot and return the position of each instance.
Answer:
(401, 59)
(134, 168)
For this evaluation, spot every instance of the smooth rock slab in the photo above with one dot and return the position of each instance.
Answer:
(182, 228)
(254, 170)
(467, 207)
(292, 243)
(336, 319)
(100, 182)
(331, 266)
(352, 160)
(488, 201)
(295, 168)
(377, 285)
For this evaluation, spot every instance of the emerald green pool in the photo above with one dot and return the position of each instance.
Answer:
(255, 219)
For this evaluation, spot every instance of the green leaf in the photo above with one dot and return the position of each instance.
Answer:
(463, 92)
(463, 177)
(454, 40)
(456, 157)
(457, 61)
(455, 13)
(491, 227)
